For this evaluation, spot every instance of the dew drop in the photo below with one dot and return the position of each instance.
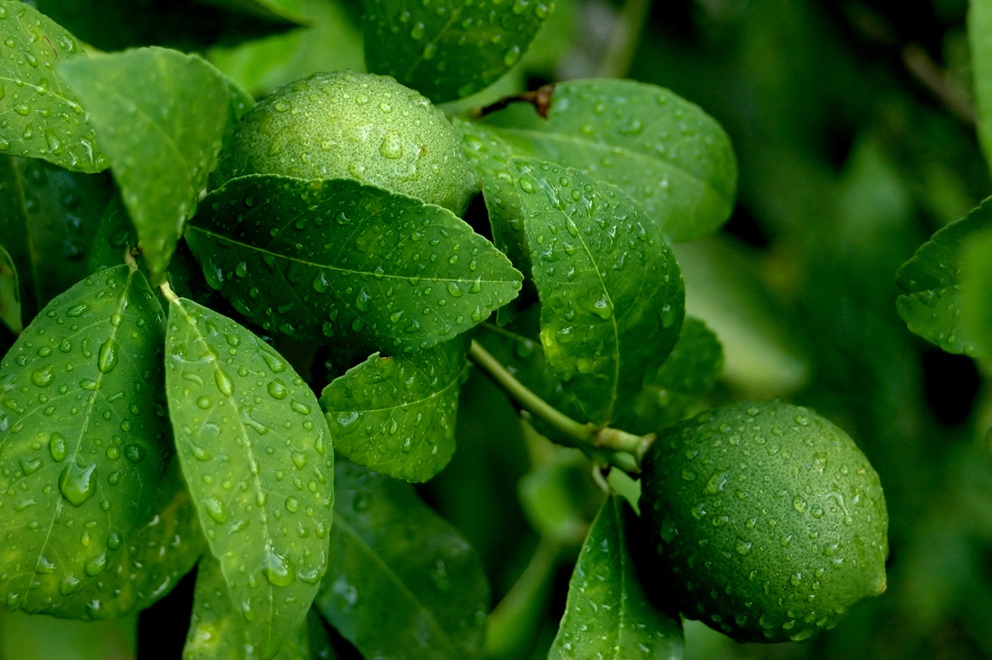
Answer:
(57, 446)
(278, 570)
(77, 484)
(215, 509)
(224, 382)
(108, 356)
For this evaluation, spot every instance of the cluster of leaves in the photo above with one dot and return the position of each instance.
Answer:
(158, 401)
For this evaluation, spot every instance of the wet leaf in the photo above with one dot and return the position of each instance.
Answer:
(83, 442)
(669, 156)
(396, 415)
(336, 258)
(10, 294)
(42, 116)
(49, 218)
(930, 301)
(445, 49)
(217, 630)
(687, 375)
(387, 546)
(612, 298)
(607, 614)
(257, 455)
(160, 116)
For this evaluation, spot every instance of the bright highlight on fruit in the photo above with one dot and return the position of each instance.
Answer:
(770, 518)
(358, 126)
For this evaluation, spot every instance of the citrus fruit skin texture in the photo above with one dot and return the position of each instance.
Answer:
(769, 517)
(356, 126)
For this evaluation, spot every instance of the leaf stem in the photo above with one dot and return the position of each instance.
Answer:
(605, 445)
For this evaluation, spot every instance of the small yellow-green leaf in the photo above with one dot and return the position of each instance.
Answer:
(257, 455)
(160, 116)
(396, 415)
(42, 116)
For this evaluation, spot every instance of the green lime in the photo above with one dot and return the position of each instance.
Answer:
(356, 126)
(769, 518)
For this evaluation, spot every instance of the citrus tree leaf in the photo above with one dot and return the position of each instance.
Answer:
(257, 455)
(607, 614)
(83, 440)
(217, 630)
(689, 373)
(673, 159)
(42, 117)
(396, 415)
(160, 116)
(49, 217)
(10, 293)
(612, 297)
(336, 258)
(447, 50)
(930, 284)
(387, 546)
(976, 283)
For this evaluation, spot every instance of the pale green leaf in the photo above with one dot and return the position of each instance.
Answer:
(339, 259)
(448, 49)
(42, 116)
(669, 156)
(612, 297)
(217, 630)
(387, 546)
(31, 637)
(160, 116)
(83, 443)
(396, 415)
(930, 302)
(257, 455)
(608, 614)
(10, 293)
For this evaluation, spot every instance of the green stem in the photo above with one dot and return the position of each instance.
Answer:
(529, 401)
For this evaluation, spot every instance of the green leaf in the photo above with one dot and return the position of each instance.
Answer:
(692, 369)
(83, 441)
(29, 637)
(607, 614)
(559, 497)
(49, 218)
(929, 281)
(673, 159)
(42, 117)
(976, 283)
(217, 630)
(160, 116)
(336, 258)
(10, 293)
(612, 298)
(980, 45)
(396, 415)
(387, 546)
(273, 10)
(257, 455)
(449, 49)
(115, 235)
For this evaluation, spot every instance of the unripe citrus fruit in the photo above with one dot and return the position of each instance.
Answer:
(769, 518)
(357, 126)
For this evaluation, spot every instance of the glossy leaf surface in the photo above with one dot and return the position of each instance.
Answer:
(396, 415)
(336, 258)
(42, 116)
(612, 298)
(930, 283)
(387, 546)
(607, 614)
(83, 440)
(257, 456)
(160, 116)
(217, 630)
(673, 159)
(448, 49)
